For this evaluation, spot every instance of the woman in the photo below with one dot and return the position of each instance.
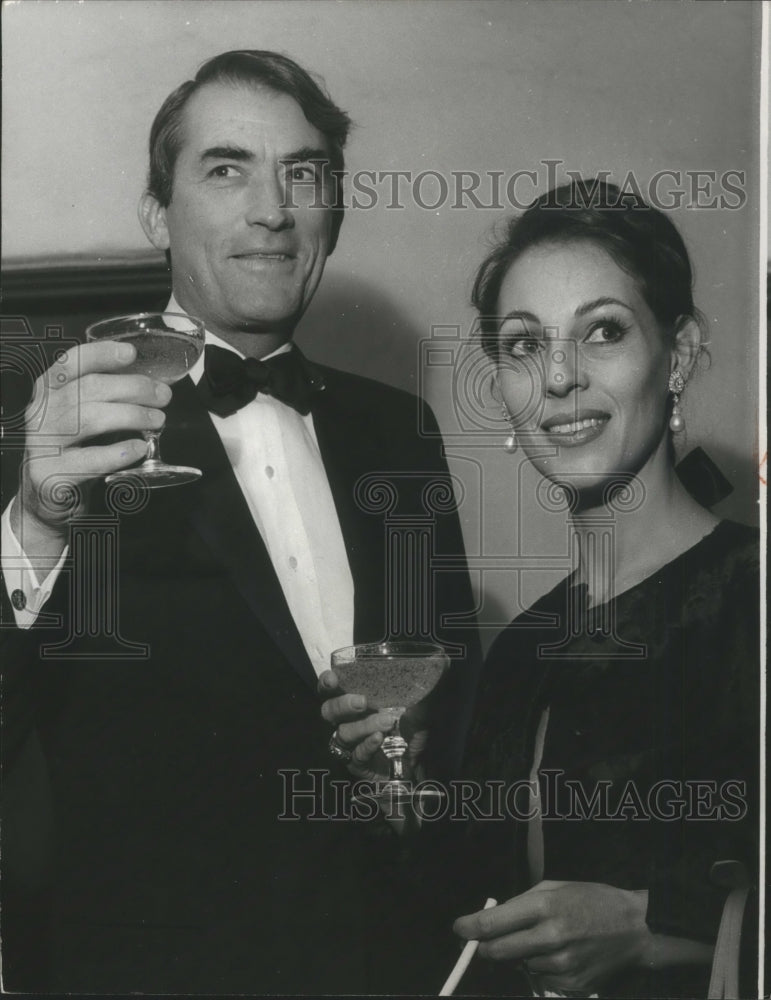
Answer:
(628, 696)
(630, 690)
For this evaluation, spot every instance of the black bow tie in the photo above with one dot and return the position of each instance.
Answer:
(230, 382)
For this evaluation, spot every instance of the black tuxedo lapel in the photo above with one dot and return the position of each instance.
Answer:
(217, 509)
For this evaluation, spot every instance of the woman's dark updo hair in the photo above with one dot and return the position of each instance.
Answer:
(640, 239)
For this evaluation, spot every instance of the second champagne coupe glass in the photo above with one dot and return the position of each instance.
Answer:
(167, 346)
(394, 676)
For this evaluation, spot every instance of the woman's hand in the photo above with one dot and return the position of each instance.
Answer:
(572, 935)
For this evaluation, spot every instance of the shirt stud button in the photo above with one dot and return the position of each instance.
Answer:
(293, 562)
(18, 600)
(270, 471)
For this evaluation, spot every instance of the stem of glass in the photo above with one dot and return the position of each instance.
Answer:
(394, 747)
(153, 456)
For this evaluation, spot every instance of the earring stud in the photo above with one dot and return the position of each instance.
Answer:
(676, 382)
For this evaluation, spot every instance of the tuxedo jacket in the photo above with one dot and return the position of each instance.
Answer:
(151, 842)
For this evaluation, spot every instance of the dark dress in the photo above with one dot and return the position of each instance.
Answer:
(649, 772)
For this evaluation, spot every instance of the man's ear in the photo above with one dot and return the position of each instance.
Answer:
(152, 218)
(687, 345)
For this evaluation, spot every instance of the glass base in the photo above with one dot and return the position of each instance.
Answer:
(394, 796)
(156, 474)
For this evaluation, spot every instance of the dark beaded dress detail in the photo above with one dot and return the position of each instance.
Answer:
(653, 699)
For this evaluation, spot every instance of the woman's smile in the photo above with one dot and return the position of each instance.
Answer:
(571, 431)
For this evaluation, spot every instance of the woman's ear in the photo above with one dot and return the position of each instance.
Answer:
(152, 218)
(687, 345)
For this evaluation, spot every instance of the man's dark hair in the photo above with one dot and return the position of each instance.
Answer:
(255, 68)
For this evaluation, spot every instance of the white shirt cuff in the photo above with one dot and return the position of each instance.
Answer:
(25, 592)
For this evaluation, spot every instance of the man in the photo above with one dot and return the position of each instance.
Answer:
(162, 766)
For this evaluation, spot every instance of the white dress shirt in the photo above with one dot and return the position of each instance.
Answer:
(276, 460)
(26, 591)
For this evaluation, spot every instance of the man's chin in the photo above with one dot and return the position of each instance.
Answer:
(257, 318)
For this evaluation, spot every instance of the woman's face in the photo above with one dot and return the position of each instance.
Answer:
(583, 365)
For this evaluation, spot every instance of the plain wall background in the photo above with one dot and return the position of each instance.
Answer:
(438, 85)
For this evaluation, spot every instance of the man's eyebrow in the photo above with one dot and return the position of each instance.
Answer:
(605, 300)
(305, 154)
(226, 153)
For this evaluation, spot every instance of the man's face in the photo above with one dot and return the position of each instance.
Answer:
(248, 239)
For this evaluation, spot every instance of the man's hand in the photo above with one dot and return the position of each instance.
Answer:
(81, 396)
(572, 935)
(359, 728)
(362, 730)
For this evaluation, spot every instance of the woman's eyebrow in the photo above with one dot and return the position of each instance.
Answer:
(605, 300)
(524, 315)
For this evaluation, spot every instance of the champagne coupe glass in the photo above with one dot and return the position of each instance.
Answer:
(394, 676)
(167, 346)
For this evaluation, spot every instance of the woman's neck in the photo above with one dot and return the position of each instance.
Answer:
(636, 531)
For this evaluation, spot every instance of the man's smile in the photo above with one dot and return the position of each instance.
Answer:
(256, 259)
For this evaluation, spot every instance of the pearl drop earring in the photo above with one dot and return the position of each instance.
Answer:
(676, 386)
(510, 445)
